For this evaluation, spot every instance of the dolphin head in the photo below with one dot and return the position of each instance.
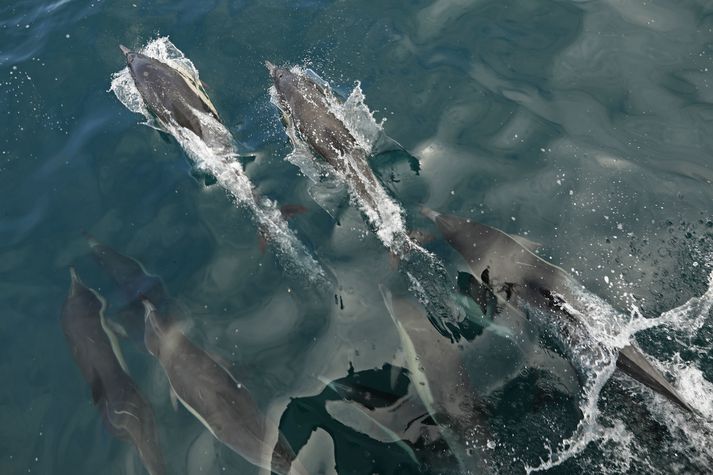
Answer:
(284, 80)
(128, 54)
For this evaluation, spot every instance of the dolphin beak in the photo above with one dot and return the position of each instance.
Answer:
(124, 50)
(75, 283)
(430, 214)
(270, 67)
(73, 275)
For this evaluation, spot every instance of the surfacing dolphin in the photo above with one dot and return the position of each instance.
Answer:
(307, 109)
(523, 280)
(169, 94)
(306, 104)
(95, 349)
(211, 393)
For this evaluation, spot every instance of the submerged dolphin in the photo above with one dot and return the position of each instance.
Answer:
(134, 280)
(173, 96)
(96, 351)
(394, 411)
(213, 396)
(135, 283)
(438, 374)
(521, 279)
(306, 104)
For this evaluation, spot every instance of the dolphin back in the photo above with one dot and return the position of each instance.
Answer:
(170, 94)
(307, 104)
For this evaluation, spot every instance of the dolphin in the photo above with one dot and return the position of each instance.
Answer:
(172, 95)
(211, 393)
(305, 104)
(522, 280)
(129, 274)
(135, 284)
(95, 350)
(437, 372)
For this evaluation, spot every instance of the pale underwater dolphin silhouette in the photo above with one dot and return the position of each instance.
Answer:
(213, 395)
(96, 351)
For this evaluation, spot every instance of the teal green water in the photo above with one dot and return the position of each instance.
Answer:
(584, 125)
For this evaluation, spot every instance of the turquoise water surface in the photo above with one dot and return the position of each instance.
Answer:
(586, 126)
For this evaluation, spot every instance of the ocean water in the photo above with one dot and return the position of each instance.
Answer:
(582, 125)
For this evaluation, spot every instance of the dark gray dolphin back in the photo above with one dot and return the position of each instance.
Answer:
(633, 362)
(212, 394)
(306, 102)
(167, 93)
(114, 393)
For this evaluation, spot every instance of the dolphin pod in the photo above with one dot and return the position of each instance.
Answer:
(197, 379)
(508, 268)
(505, 272)
(95, 349)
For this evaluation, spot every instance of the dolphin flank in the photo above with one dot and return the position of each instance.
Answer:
(438, 374)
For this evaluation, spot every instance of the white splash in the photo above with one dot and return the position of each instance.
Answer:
(611, 332)
(216, 154)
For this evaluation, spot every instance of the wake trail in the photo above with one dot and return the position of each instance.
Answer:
(611, 332)
(217, 155)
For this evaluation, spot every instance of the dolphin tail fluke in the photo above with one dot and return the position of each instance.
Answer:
(635, 364)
